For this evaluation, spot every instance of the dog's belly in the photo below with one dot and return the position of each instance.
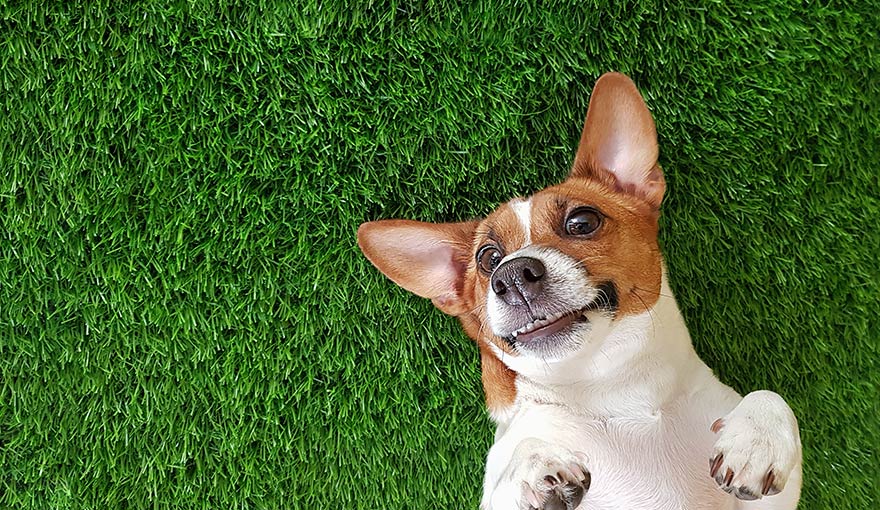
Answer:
(660, 464)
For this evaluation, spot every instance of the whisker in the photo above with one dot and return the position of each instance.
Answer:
(588, 258)
(473, 310)
(546, 366)
(482, 327)
(603, 295)
(650, 312)
(658, 293)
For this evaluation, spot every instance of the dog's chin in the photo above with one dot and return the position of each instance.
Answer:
(555, 340)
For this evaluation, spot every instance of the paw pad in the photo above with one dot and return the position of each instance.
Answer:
(562, 488)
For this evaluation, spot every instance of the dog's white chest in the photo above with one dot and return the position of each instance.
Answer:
(645, 461)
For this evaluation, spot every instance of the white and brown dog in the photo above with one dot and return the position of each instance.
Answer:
(588, 369)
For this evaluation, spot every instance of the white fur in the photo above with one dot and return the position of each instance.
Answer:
(523, 210)
(638, 403)
(760, 434)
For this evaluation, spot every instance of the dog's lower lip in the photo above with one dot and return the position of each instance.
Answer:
(554, 327)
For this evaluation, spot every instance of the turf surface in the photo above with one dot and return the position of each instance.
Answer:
(185, 320)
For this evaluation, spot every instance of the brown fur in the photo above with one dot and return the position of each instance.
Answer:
(623, 250)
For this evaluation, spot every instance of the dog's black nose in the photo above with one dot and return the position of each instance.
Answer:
(519, 281)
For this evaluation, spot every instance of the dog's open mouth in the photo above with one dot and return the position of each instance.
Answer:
(543, 327)
(549, 325)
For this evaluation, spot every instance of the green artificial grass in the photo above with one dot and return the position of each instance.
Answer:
(186, 321)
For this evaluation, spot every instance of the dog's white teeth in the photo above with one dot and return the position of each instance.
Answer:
(524, 329)
(540, 323)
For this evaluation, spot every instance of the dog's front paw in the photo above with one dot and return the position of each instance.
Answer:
(542, 476)
(758, 446)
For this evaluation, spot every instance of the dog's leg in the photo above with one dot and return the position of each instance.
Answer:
(540, 476)
(536, 463)
(757, 455)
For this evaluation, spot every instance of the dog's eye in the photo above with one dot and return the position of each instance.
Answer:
(583, 221)
(488, 258)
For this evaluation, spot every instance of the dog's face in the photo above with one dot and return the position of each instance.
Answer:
(534, 277)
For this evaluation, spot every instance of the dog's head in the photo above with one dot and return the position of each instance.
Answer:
(536, 276)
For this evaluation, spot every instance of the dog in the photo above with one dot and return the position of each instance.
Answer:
(590, 376)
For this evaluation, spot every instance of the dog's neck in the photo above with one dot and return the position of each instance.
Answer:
(631, 366)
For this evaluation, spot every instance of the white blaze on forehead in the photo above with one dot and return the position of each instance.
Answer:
(523, 210)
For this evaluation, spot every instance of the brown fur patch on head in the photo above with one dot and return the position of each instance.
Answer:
(623, 251)
(503, 226)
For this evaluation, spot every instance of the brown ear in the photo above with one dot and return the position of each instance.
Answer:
(426, 259)
(619, 141)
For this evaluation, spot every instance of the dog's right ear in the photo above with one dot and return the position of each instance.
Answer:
(619, 141)
(427, 259)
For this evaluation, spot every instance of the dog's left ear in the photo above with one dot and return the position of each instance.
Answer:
(427, 259)
(619, 142)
